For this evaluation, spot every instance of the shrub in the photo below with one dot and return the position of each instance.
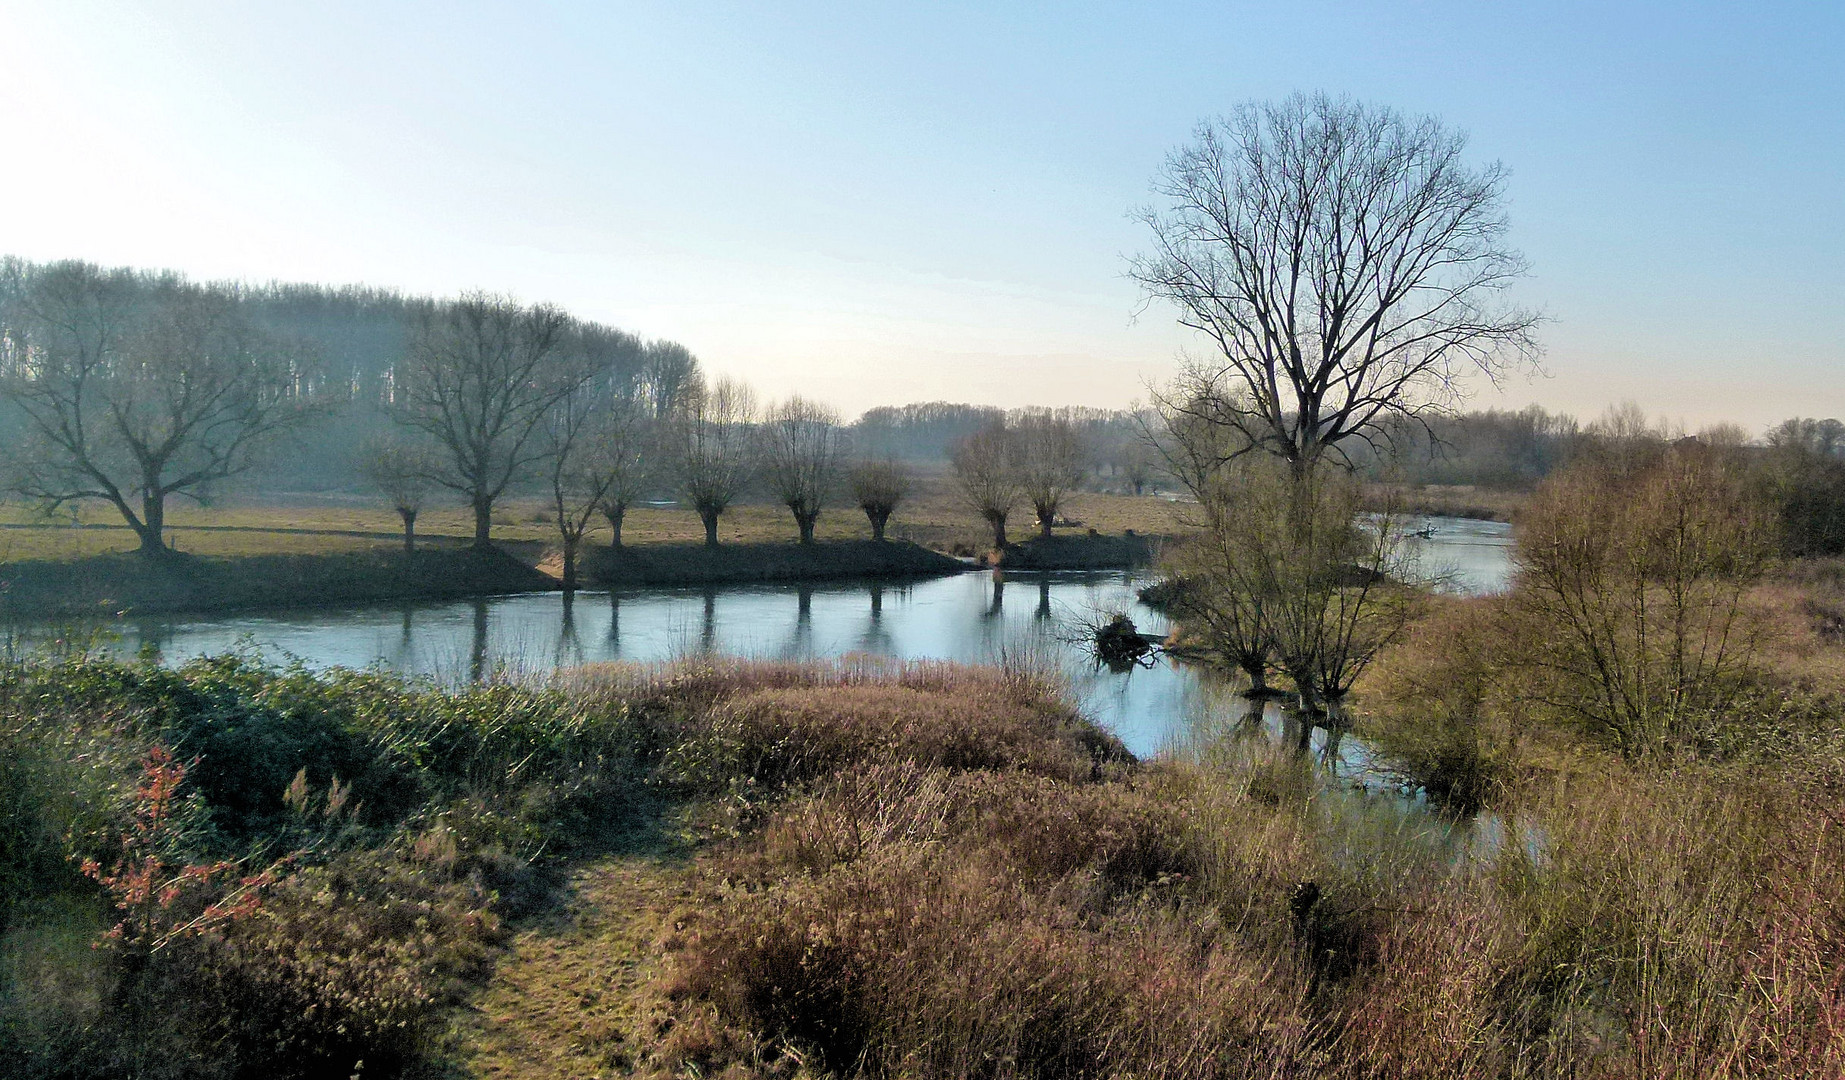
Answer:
(1630, 586)
(1442, 704)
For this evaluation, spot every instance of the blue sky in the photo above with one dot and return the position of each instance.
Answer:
(877, 203)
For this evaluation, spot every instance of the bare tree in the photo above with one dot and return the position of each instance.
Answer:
(669, 372)
(629, 444)
(879, 487)
(137, 389)
(984, 466)
(480, 377)
(1050, 458)
(803, 444)
(713, 445)
(402, 472)
(1345, 263)
(578, 470)
(1138, 464)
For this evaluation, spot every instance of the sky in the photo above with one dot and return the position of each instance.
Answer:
(876, 203)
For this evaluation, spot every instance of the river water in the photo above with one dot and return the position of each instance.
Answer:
(972, 617)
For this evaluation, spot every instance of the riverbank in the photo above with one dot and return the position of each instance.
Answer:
(1092, 552)
(746, 564)
(700, 869)
(109, 586)
(114, 585)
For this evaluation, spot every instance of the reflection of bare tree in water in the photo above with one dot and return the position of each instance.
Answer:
(876, 639)
(477, 654)
(569, 648)
(707, 637)
(996, 608)
(801, 643)
(614, 625)
(1044, 600)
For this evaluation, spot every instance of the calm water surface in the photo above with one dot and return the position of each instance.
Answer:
(975, 617)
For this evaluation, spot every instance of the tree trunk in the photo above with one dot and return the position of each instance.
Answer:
(1046, 515)
(710, 518)
(615, 514)
(998, 521)
(483, 523)
(153, 521)
(409, 517)
(878, 516)
(570, 568)
(805, 523)
(1257, 670)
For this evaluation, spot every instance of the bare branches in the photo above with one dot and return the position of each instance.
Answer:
(1345, 264)
(404, 473)
(984, 467)
(879, 487)
(135, 389)
(803, 445)
(713, 446)
(480, 376)
(1050, 459)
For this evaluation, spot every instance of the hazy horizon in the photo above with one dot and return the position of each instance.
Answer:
(876, 208)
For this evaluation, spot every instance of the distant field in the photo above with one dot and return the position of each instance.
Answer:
(318, 524)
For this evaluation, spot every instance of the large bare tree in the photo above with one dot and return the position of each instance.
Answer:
(480, 376)
(135, 389)
(1346, 264)
(803, 445)
(713, 443)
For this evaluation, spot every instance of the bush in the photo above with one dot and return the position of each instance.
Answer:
(1629, 586)
(1442, 706)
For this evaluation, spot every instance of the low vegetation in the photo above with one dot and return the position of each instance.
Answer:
(886, 870)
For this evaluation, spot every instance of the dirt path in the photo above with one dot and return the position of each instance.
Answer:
(569, 1001)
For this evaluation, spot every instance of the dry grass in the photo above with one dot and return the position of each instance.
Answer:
(930, 870)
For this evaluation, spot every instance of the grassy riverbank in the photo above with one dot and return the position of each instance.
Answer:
(106, 586)
(860, 870)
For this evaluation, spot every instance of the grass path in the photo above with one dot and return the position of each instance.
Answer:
(570, 1000)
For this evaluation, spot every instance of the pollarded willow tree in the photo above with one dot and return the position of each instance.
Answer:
(1050, 459)
(1347, 265)
(136, 388)
(402, 470)
(987, 474)
(712, 442)
(879, 487)
(803, 445)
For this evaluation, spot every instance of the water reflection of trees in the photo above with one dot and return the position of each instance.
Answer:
(477, 651)
(875, 638)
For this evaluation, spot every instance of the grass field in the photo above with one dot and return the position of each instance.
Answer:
(317, 524)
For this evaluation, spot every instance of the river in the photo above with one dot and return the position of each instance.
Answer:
(973, 617)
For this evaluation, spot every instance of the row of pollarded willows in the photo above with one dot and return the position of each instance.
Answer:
(895, 870)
